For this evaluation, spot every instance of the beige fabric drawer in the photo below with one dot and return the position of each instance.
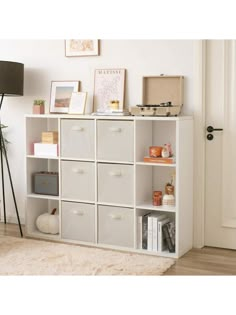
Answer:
(116, 226)
(78, 221)
(116, 184)
(115, 140)
(77, 138)
(78, 180)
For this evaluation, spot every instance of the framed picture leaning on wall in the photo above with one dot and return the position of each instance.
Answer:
(61, 92)
(109, 85)
(77, 103)
(81, 47)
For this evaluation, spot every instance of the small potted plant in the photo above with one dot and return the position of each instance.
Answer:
(39, 107)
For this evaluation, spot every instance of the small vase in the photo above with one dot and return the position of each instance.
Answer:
(38, 109)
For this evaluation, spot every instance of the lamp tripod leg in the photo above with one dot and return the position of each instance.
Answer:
(9, 173)
(2, 173)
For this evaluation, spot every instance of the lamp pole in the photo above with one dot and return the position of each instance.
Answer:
(4, 154)
(2, 170)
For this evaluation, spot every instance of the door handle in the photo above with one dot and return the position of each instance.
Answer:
(211, 129)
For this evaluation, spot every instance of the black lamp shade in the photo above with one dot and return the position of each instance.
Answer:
(11, 78)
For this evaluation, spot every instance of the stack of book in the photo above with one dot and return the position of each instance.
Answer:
(150, 231)
(169, 160)
(112, 112)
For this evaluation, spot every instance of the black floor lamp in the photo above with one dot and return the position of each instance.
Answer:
(11, 84)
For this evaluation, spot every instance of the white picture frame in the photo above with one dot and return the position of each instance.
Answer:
(77, 103)
(81, 47)
(109, 84)
(61, 92)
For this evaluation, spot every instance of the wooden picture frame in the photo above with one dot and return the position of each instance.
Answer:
(77, 103)
(61, 92)
(81, 47)
(109, 85)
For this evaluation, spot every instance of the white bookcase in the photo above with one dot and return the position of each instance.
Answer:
(104, 185)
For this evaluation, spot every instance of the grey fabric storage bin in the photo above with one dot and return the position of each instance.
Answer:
(46, 183)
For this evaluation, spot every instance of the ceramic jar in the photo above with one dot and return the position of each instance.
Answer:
(155, 151)
(157, 198)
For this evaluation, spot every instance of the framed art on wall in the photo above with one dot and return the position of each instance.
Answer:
(77, 103)
(109, 85)
(61, 92)
(81, 47)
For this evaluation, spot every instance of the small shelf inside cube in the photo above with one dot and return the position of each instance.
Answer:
(37, 207)
(38, 125)
(150, 236)
(150, 179)
(154, 133)
(36, 166)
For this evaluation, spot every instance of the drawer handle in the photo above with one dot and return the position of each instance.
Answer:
(77, 212)
(78, 171)
(115, 129)
(116, 216)
(115, 173)
(77, 128)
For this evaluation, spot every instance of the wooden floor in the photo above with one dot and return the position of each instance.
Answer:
(205, 261)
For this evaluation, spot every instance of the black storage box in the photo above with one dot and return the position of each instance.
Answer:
(46, 183)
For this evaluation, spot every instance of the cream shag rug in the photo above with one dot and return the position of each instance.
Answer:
(32, 257)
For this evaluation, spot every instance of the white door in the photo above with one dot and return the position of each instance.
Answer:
(220, 193)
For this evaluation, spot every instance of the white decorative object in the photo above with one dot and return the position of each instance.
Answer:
(168, 200)
(48, 223)
(165, 152)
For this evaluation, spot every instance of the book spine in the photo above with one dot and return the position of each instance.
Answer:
(140, 232)
(168, 239)
(150, 229)
(144, 231)
(154, 234)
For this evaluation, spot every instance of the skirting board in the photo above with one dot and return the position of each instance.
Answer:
(12, 219)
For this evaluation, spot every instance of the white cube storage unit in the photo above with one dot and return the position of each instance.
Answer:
(104, 183)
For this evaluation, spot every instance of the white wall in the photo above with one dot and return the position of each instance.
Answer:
(45, 61)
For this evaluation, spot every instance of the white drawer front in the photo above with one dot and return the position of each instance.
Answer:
(116, 226)
(77, 138)
(115, 184)
(78, 180)
(78, 221)
(115, 140)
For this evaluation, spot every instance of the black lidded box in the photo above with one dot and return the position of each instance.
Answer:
(46, 183)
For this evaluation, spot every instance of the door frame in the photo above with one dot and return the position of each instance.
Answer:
(199, 143)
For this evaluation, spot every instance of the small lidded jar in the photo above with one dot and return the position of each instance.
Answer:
(157, 198)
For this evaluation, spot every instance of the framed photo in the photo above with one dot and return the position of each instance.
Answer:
(77, 103)
(61, 93)
(109, 85)
(81, 47)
